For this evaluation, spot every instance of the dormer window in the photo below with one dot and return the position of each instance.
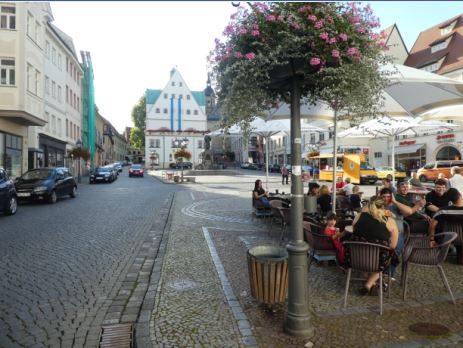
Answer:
(448, 29)
(431, 67)
(440, 46)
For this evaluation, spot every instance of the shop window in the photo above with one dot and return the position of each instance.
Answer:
(448, 153)
(378, 155)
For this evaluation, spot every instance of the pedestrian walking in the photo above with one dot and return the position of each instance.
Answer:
(284, 175)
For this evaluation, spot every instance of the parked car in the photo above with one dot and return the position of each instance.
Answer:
(102, 174)
(8, 198)
(274, 168)
(386, 173)
(136, 170)
(431, 170)
(113, 169)
(172, 165)
(245, 165)
(118, 166)
(253, 166)
(185, 165)
(46, 184)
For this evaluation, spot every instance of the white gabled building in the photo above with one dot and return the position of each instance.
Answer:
(174, 115)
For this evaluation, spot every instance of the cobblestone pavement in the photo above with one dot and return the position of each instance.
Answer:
(222, 206)
(68, 268)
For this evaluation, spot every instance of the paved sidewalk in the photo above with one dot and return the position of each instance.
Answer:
(204, 300)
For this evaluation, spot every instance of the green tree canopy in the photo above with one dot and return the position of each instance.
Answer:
(139, 113)
(137, 138)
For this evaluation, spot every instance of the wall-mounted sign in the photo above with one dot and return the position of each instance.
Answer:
(444, 138)
(409, 142)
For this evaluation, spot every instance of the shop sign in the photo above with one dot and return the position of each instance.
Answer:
(444, 138)
(409, 142)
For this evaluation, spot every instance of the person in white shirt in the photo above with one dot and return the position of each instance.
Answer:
(456, 181)
(348, 187)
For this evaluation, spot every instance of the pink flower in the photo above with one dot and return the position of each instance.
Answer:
(250, 55)
(238, 55)
(361, 30)
(243, 31)
(323, 35)
(354, 19)
(315, 61)
(255, 33)
(335, 54)
(343, 36)
(295, 25)
(332, 40)
(281, 18)
(319, 24)
(352, 51)
(255, 26)
(270, 18)
(312, 18)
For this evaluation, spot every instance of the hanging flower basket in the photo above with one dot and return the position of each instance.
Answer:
(182, 153)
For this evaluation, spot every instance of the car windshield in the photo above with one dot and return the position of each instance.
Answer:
(136, 166)
(365, 166)
(102, 170)
(429, 166)
(37, 174)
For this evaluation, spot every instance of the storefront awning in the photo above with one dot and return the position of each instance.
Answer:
(399, 150)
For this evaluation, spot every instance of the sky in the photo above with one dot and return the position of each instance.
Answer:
(134, 45)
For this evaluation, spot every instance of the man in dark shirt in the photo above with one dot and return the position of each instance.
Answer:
(437, 198)
(418, 221)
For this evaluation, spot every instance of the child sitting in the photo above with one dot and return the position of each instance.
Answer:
(336, 235)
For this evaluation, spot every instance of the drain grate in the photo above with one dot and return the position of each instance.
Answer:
(429, 329)
(116, 336)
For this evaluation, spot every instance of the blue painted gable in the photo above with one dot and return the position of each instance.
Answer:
(152, 95)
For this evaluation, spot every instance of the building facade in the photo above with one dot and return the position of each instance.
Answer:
(175, 117)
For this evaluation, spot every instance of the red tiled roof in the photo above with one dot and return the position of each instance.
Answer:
(420, 53)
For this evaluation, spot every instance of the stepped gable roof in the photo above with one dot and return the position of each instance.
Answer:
(452, 56)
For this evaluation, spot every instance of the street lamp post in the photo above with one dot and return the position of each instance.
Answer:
(79, 145)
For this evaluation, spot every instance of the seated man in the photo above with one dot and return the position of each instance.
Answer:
(419, 222)
(451, 213)
(347, 189)
(437, 198)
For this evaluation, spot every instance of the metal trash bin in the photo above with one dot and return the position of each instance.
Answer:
(268, 273)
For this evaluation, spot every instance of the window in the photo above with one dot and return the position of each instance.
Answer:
(440, 46)
(37, 32)
(188, 112)
(67, 64)
(151, 142)
(30, 21)
(47, 85)
(8, 17)
(29, 77)
(165, 110)
(53, 89)
(78, 104)
(47, 118)
(378, 154)
(180, 84)
(173, 96)
(173, 83)
(67, 127)
(188, 97)
(312, 138)
(322, 137)
(157, 143)
(53, 124)
(67, 94)
(330, 134)
(37, 82)
(448, 29)
(75, 101)
(59, 94)
(7, 72)
(200, 144)
(165, 95)
(53, 55)
(59, 62)
(431, 68)
(158, 110)
(195, 112)
(180, 96)
(59, 127)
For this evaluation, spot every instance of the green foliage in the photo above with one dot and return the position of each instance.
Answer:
(78, 152)
(139, 113)
(331, 47)
(137, 138)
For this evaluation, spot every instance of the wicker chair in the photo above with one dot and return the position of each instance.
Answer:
(430, 257)
(321, 247)
(258, 208)
(365, 257)
(276, 215)
(457, 227)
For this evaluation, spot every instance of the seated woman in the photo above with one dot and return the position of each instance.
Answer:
(260, 195)
(324, 200)
(374, 226)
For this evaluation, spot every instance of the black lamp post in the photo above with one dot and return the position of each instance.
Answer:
(79, 146)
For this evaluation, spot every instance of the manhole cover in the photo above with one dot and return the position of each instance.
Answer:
(429, 329)
(181, 284)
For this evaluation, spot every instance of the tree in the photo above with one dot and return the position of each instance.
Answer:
(137, 138)
(137, 135)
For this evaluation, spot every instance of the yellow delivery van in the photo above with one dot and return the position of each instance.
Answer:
(353, 166)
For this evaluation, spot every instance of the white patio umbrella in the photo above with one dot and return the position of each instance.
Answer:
(392, 126)
(453, 112)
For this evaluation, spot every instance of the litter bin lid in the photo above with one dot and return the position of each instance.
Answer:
(268, 253)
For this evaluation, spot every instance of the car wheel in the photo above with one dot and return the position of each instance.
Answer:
(389, 176)
(52, 198)
(12, 206)
(423, 178)
(91, 182)
(73, 193)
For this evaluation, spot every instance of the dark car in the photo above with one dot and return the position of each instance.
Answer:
(118, 166)
(253, 166)
(185, 165)
(102, 174)
(114, 171)
(274, 168)
(136, 170)
(46, 184)
(8, 198)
